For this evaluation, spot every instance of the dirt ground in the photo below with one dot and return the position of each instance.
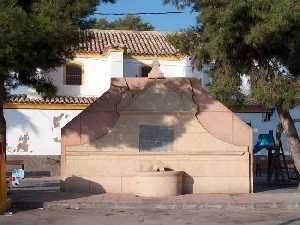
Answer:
(152, 217)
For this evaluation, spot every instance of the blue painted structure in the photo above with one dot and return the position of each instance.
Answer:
(265, 141)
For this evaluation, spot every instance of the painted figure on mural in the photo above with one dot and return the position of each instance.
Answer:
(57, 122)
(23, 144)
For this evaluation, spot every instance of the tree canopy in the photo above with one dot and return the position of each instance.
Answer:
(35, 36)
(38, 34)
(256, 38)
(124, 23)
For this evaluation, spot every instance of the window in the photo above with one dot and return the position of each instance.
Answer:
(145, 70)
(155, 138)
(73, 74)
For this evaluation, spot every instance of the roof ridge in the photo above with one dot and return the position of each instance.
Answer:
(131, 31)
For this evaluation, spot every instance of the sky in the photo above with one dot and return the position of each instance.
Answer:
(170, 22)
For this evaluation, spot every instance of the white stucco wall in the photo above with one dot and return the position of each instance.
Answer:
(170, 68)
(36, 132)
(99, 71)
(95, 79)
(115, 64)
(262, 127)
(44, 136)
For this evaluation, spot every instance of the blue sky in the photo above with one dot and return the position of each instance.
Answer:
(170, 22)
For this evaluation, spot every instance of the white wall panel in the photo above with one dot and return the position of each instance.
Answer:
(36, 132)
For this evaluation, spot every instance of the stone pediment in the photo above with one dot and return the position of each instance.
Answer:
(164, 96)
(146, 96)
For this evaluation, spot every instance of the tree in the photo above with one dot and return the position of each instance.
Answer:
(258, 38)
(35, 36)
(124, 23)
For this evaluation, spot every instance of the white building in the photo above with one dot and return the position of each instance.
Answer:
(34, 122)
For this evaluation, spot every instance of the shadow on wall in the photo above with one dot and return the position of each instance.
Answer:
(188, 184)
(82, 186)
(15, 118)
(112, 122)
(165, 96)
(98, 120)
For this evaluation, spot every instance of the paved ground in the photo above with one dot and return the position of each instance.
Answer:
(53, 183)
(41, 192)
(39, 183)
(276, 207)
(153, 217)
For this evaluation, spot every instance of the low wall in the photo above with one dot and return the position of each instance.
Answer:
(37, 165)
(115, 172)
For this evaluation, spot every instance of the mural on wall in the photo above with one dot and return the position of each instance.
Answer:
(22, 146)
(57, 122)
(36, 132)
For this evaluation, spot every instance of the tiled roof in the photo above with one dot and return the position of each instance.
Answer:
(133, 42)
(24, 99)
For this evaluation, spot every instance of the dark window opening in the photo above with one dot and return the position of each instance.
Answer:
(145, 70)
(73, 74)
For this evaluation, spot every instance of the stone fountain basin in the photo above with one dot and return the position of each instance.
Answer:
(159, 184)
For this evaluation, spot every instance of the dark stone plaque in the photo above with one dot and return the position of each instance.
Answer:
(155, 138)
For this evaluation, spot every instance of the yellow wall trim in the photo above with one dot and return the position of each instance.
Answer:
(147, 57)
(104, 55)
(89, 55)
(137, 57)
(110, 50)
(252, 109)
(4, 205)
(46, 106)
(4, 201)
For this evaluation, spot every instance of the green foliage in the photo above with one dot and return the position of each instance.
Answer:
(188, 42)
(259, 38)
(227, 87)
(124, 23)
(38, 34)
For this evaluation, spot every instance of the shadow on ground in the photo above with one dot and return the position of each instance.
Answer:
(33, 193)
(290, 222)
(285, 186)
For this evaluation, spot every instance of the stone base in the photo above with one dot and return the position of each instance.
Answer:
(159, 184)
(38, 165)
(107, 172)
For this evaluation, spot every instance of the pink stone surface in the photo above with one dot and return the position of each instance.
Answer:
(217, 123)
(138, 84)
(96, 124)
(101, 116)
(219, 120)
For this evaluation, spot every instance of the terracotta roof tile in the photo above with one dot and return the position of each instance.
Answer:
(24, 99)
(133, 42)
